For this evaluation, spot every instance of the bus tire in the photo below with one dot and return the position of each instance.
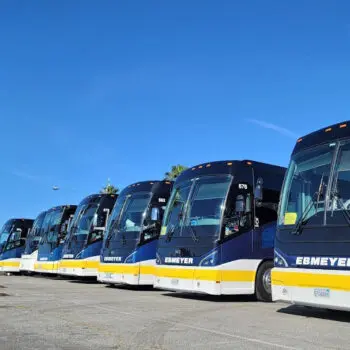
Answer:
(263, 282)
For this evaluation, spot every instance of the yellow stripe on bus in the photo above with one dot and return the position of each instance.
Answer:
(207, 274)
(127, 269)
(80, 264)
(311, 280)
(5, 263)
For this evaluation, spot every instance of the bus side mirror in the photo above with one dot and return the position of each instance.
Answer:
(258, 192)
(155, 214)
(240, 204)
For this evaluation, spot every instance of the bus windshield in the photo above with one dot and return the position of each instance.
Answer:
(35, 232)
(34, 235)
(132, 214)
(114, 216)
(196, 207)
(85, 221)
(51, 224)
(5, 232)
(78, 213)
(308, 173)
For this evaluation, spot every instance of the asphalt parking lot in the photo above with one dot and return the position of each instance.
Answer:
(51, 313)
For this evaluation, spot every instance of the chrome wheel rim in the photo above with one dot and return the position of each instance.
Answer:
(266, 279)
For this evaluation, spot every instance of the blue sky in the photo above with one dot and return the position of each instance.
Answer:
(124, 89)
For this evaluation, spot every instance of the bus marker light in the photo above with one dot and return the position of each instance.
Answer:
(328, 130)
(229, 163)
(342, 126)
(299, 140)
(208, 165)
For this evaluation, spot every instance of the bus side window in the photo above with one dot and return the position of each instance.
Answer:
(238, 215)
(265, 215)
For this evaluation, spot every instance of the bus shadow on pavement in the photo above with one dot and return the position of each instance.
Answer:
(212, 298)
(83, 280)
(310, 312)
(131, 288)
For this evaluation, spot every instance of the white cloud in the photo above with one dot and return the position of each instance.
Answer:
(274, 127)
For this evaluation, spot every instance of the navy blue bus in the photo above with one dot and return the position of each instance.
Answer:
(219, 228)
(12, 242)
(312, 247)
(129, 250)
(81, 252)
(55, 228)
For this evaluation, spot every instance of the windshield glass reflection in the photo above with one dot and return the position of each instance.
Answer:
(131, 215)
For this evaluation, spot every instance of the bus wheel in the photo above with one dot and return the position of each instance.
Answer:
(263, 282)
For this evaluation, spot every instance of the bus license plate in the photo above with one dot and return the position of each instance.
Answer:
(64, 270)
(108, 275)
(321, 292)
(174, 281)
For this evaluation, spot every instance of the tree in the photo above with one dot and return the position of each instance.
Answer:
(176, 170)
(109, 189)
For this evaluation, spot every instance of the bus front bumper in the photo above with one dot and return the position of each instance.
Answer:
(316, 288)
(27, 262)
(218, 280)
(79, 267)
(45, 266)
(10, 265)
(141, 273)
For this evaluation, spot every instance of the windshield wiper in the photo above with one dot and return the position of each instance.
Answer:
(313, 202)
(193, 234)
(172, 231)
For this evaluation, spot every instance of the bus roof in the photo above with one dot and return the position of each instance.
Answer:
(146, 186)
(60, 207)
(225, 167)
(19, 219)
(96, 197)
(328, 134)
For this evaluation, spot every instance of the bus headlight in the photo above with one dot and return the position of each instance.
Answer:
(210, 260)
(279, 260)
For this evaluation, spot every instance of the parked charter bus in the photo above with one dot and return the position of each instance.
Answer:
(312, 247)
(12, 242)
(55, 227)
(219, 228)
(129, 250)
(30, 253)
(81, 251)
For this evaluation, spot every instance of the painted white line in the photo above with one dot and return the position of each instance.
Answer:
(207, 330)
(199, 345)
